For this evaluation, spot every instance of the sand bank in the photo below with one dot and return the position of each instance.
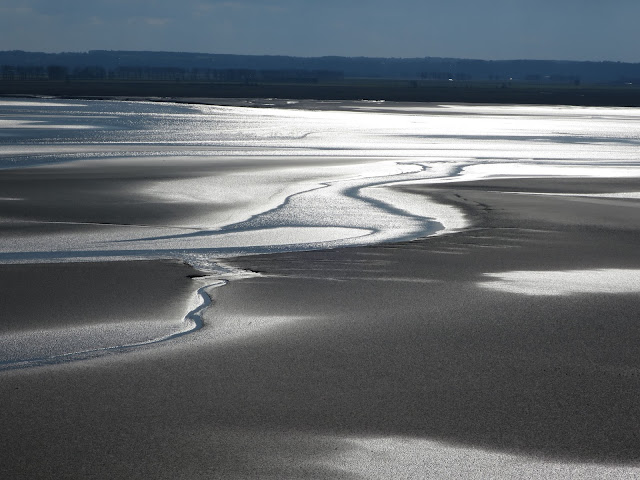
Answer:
(54, 313)
(375, 362)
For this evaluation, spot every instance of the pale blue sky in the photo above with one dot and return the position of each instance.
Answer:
(487, 29)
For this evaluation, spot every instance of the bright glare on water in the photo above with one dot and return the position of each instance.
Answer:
(124, 180)
(256, 180)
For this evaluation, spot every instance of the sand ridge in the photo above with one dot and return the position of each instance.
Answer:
(545, 380)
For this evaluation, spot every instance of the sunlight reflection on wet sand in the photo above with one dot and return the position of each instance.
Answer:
(535, 282)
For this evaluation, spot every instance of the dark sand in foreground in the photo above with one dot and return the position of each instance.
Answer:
(54, 295)
(393, 340)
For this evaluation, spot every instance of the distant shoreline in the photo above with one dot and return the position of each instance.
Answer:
(395, 91)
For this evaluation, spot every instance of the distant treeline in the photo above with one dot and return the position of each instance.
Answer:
(60, 72)
(104, 64)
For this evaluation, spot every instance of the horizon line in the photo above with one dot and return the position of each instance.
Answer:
(322, 56)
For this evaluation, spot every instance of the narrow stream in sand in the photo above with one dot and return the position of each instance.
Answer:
(142, 180)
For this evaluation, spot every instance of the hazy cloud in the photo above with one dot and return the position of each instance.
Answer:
(562, 29)
(154, 21)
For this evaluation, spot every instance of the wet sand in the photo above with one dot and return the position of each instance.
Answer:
(62, 295)
(391, 361)
(109, 191)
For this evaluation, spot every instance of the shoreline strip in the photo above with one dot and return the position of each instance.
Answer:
(193, 320)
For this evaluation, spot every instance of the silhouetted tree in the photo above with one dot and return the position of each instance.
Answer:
(57, 72)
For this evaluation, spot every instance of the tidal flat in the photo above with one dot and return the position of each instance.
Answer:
(411, 291)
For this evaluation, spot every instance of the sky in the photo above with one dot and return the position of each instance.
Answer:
(482, 29)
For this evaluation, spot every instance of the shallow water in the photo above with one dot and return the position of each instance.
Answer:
(266, 180)
(93, 180)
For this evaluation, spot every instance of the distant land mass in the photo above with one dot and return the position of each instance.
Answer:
(188, 66)
(193, 77)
